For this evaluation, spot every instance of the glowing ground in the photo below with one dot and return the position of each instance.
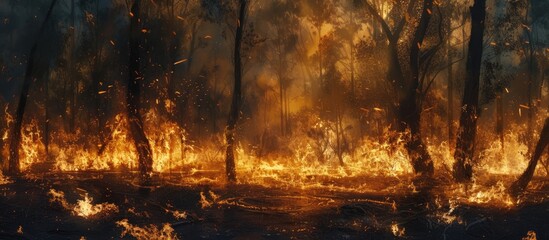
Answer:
(105, 206)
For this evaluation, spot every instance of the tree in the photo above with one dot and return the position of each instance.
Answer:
(237, 94)
(465, 144)
(135, 120)
(321, 11)
(522, 182)
(15, 133)
(407, 87)
(284, 24)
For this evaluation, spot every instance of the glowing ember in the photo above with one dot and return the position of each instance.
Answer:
(4, 179)
(531, 235)
(179, 214)
(397, 231)
(205, 202)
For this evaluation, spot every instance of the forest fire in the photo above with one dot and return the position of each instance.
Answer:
(258, 119)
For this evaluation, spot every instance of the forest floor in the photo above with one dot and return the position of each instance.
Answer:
(247, 212)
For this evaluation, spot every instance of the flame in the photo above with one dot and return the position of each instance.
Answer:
(4, 180)
(83, 207)
(531, 235)
(479, 194)
(205, 202)
(147, 232)
(310, 162)
(397, 232)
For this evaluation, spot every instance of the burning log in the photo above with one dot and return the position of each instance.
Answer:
(522, 182)
(14, 165)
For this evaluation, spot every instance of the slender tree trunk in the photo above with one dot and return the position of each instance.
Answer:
(320, 74)
(287, 113)
(172, 53)
(409, 109)
(135, 120)
(96, 71)
(352, 60)
(237, 95)
(281, 89)
(529, 93)
(47, 117)
(15, 134)
(450, 120)
(340, 137)
(531, 72)
(74, 83)
(499, 120)
(465, 144)
(280, 74)
(522, 182)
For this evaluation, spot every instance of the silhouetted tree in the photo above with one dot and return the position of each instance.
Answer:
(407, 88)
(135, 120)
(465, 144)
(522, 182)
(15, 133)
(237, 93)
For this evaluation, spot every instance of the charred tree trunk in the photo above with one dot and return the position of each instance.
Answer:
(47, 117)
(465, 144)
(96, 75)
(237, 95)
(352, 59)
(15, 134)
(282, 116)
(135, 120)
(409, 109)
(450, 120)
(499, 120)
(74, 84)
(522, 182)
(320, 66)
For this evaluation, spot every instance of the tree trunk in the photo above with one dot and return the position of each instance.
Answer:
(409, 109)
(522, 182)
(281, 89)
(465, 144)
(352, 60)
(74, 83)
(320, 75)
(135, 120)
(237, 96)
(499, 120)
(15, 134)
(47, 116)
(450, 120)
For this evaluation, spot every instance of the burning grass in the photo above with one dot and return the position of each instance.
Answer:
(308, 161)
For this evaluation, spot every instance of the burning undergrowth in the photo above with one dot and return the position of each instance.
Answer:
(4, 179)
(315, 157)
